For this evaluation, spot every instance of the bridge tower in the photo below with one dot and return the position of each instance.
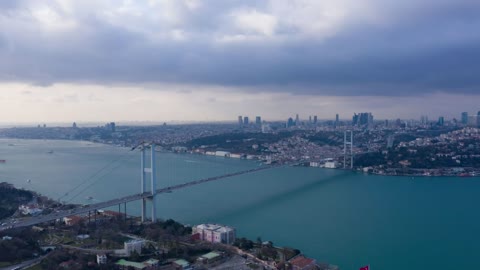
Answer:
(348, 148)
(153, 182)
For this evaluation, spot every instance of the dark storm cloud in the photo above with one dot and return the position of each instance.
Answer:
(412, 49)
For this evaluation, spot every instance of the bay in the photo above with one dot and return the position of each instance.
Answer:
(344, 218)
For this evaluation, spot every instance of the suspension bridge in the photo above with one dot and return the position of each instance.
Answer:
(146, 196)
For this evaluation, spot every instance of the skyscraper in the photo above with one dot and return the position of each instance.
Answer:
(245, 120)
(315, 119)
(297, 120)
(464, 118)
(290, 123)
(441, 121)
(337, 118)
(240, 120)
(362, 119)
(258, 120)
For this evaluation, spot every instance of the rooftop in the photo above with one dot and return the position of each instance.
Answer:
(210, 255)
(126, 263)
(301, 261)
(182, 263)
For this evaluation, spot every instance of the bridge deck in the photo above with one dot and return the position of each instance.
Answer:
(93, 207)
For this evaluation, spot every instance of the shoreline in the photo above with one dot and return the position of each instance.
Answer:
(234, 248)
(474, 173)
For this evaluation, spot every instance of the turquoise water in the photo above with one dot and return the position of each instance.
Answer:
(339, 217)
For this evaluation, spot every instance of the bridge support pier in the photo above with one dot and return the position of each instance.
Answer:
(153, 183)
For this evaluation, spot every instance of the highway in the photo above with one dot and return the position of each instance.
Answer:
(93, 207)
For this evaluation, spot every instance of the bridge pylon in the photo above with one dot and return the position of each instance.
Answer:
(151, 170)
(348, 149)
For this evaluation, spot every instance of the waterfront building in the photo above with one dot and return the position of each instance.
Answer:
(331, 164)
(222, 154)
(133, 246)
(215, 233)
(303, 263)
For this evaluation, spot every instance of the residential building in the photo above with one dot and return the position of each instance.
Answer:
(101, 259)
(30, 209)
(303, 263)
(133, 246)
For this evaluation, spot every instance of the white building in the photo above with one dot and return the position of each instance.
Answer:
(314, 164)
(101, 259)
(133, 245)
(215, 233)
(331, 164)
(30, 209)
(222, 154)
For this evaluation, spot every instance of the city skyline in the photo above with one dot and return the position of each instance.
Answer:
(65, 61)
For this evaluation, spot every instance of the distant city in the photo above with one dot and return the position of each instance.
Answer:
(422, 147)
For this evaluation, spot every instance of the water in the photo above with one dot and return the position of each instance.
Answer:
(339, 217)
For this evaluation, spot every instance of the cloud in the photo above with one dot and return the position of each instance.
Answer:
(343, 47)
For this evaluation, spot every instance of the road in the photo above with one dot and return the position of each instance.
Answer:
(24, 264)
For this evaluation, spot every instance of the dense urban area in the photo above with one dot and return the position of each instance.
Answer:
(105, 239)
(387, 147)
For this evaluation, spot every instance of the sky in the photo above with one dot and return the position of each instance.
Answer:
(198, 60)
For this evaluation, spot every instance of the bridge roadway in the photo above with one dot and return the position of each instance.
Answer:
(93, 207)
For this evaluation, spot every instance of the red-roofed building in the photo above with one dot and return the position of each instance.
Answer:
(303, 263)
(72, 220)
(109, 213)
